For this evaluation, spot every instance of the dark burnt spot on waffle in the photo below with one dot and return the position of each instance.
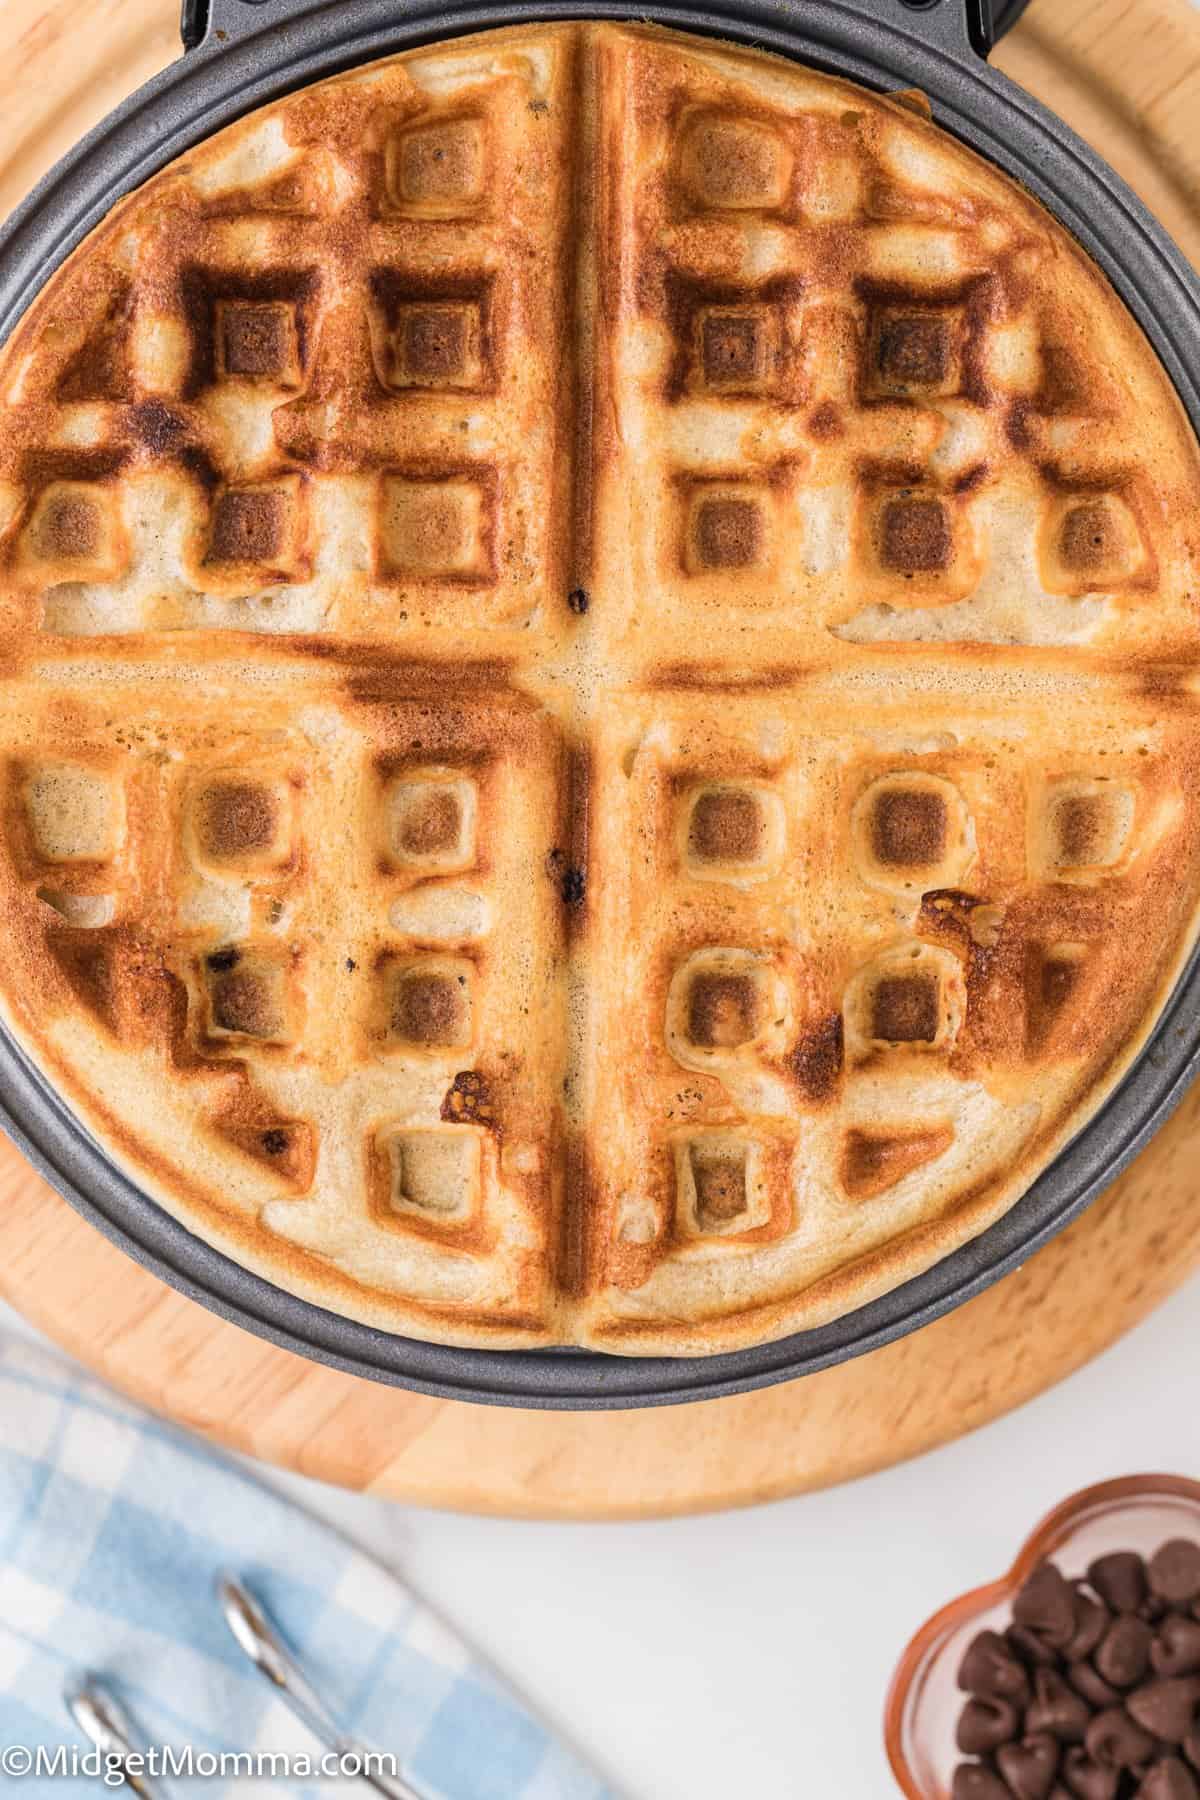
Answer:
(247, 1001)
(722, 1010)
(69, 528)
(826, 423)
(249, 525)
(908, 827)
(236, 820)
(44, 468)
(732, 164)
(728, 532)
(257, 341)
(431, 1008)
(729, 340)
(438, 169)
(286, 1149)
(818, 1059)
(468, 1100)
(433, 333)
(1087, 538)
(158, 428)
(433, 1172)
(727, 826)
(220, 961)
(720, 1185)
(434, 529)
(873, 1161)
(915, 535)
(1018, 425)
(573, 886)
(1099, 539)
(727, 1184)
(249, 323)
(733, 347)
(917, 350)
(906, 1009)
(436, 346)
(912, 832)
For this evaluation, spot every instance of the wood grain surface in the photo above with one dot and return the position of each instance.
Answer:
(1126, 73)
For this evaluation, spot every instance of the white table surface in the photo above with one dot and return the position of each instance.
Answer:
(744, 1656)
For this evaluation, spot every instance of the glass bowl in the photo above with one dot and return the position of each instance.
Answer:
(1138, 1512)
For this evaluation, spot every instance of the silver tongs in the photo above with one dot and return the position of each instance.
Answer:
(254, 1634)
(108, 1725)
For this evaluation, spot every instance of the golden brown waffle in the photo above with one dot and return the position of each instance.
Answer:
(600, 730)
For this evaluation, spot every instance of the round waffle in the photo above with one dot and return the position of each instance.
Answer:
(600, 732)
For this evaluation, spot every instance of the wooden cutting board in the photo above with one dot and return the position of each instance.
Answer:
(1126, 73)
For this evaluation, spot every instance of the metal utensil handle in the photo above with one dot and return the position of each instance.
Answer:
(104, 1721)
(956, 25)
(257, 1638)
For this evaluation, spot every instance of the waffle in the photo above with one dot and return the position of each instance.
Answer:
(600, 736)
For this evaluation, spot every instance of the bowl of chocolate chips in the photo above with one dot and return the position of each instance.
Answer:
(1076, 1676)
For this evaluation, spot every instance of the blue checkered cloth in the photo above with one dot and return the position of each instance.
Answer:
(112, 1527)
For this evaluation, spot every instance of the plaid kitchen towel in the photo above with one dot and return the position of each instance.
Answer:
(112, 1527)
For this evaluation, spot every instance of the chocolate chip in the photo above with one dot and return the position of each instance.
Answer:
(1123, 1653)
(984, 1724)
(1092, 1620)
(1169, 1780)
(1176, 1647)
(1046, 1605)
(1056, 1708)
(1032, 1650)
(989, 1667)
(1174, 1572)
(1084, 1679)
(1030, 1766)
(1118, 1742)
(1166, 1708)
(1089, 1780)
(1120, 1580)
(974, 1782)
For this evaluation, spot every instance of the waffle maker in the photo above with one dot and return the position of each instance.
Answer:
(241, 54)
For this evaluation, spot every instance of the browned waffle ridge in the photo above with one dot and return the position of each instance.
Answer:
(600, 731)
